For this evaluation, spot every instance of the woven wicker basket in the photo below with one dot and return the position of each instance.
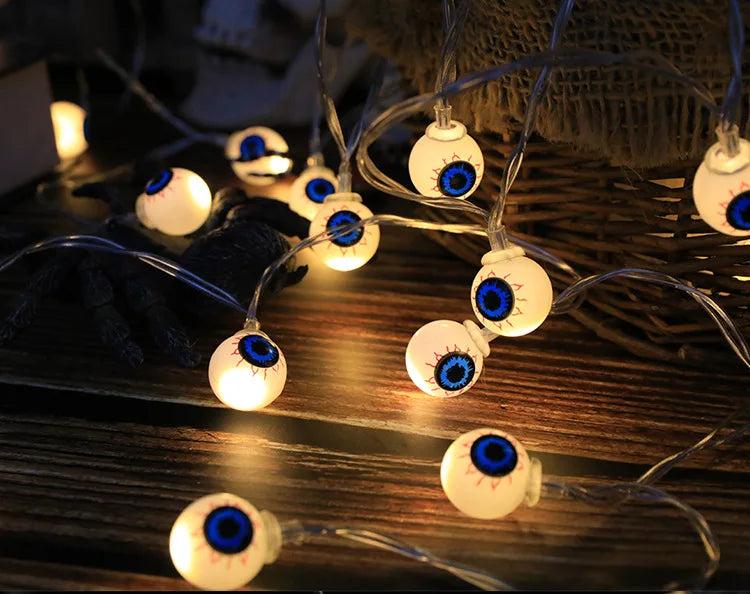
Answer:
(589, 190)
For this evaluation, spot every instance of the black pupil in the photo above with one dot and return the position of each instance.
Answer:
(228, 528)
(458, 181)
(260, 348)
(455, 373)
(494, 451)
(492, 300)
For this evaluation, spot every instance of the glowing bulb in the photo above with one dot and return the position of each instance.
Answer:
(176, 202)
(68, 121)
(353, 249)
(310, 190)
(446, 162)
(511, 296)
(220, 542)
(247, 371)
(721, 190)
(487, 474)
(258, 155)
(445, 358)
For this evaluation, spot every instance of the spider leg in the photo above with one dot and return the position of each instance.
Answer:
(47, 279)
(165, 328)
(106, 192)
(98, 297)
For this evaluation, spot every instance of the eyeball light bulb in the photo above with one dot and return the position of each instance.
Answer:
(258, 155)
(512, 296)
(221, 542)
(354, 249)
(487, 473)
(175, 202)
(446, 162)
(310, 189)
(247, 371)
(445, 358)
(721, 190)
(68, 122)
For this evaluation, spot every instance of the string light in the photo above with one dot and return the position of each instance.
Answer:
(487, 474)
(247, 371)
(345, 251)
(175, 202)
(69, 124)
(258, 155)
(310, 190)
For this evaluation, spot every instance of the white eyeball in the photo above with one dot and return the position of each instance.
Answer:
(446, 163)
(247, 371)
(353, 249)
(258, 155)
(219, 542)
(721, 190)
(68, 122)
(442, 359)
(512, 297)
(310, 190)
(175, 202)
(487, 474)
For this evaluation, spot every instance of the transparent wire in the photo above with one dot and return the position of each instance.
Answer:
(296, 532)
(157, 107)
(513, 165)
(558, 58)
(736, 30)
(139, 49)
(454, 19)
(95, 243)
(345, 149)
(340, 230)
(603, 496)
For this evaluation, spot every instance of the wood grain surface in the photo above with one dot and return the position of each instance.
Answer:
(98, 459)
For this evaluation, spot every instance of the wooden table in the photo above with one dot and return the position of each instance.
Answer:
(97, 459)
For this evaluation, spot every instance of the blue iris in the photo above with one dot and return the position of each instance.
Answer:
(454, 371)
(258, 351)
(738, 211)
(494, 299)
(252, 147)
(317, 189)
(345, 217)
(456, 178)
(494, 455)
(159, 182)
(228, 530)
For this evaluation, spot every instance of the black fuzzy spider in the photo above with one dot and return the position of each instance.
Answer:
(241, 239)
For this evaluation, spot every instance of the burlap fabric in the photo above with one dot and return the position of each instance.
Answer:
(629, 116)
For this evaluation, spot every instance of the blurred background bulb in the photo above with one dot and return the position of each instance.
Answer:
(487, 473)
(446, 162)
(511, 297)
(721, 190)
(68, 121)
(354, 249)
(247, 371)
(258, 155)
(443, 359)
(220, 542)
(175, 201)
(310, 190)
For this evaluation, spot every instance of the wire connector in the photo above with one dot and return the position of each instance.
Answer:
(508, 253)
(730, 155)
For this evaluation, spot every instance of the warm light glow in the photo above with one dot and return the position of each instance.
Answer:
(487, 473)
(442, 359)
(251, 152)
(512, 297)
(721, 190)
(67, 121)
(353, 249)
(247, 371)
(446, 163)
(175, 201)
(219, 542)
